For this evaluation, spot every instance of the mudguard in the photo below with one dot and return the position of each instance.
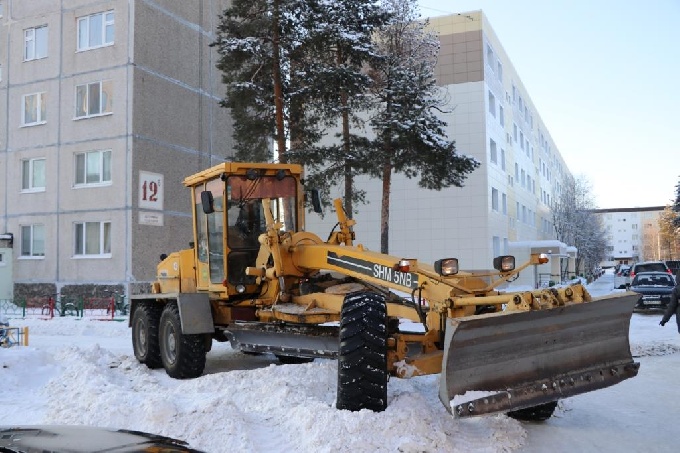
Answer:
(507, 361)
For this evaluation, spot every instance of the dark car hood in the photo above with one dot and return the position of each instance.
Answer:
(90, 439)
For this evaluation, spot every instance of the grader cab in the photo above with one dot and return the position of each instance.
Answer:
(255, 277)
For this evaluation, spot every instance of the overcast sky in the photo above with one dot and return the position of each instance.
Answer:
(603, 76)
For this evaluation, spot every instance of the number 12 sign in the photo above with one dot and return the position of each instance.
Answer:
(150, 190)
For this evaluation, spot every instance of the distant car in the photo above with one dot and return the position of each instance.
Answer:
(649, 266)
(65, 438)
(622, 277)
(654, 288)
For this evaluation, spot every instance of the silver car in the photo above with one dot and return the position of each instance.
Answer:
(622, 277)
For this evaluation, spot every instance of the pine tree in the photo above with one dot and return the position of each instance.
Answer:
(339, 45)
(410, 137)
(260, 44)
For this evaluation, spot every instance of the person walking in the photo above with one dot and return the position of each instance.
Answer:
(673, 307)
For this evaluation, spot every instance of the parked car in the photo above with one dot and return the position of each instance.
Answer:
(649, 266)
(69, 438)
(654, 288)
(622, 277)
(673, 265)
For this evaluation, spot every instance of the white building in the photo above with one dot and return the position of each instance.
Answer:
(507, 198)
(632, 234)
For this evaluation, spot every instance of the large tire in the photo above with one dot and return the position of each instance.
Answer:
(183, 355)
(362, 358)
(145, 334)
(536, 413)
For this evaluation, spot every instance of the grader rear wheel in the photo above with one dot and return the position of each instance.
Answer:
(145, 335)
(362, 358)
(183, 355)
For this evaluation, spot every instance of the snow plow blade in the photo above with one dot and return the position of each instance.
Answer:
(503, 362)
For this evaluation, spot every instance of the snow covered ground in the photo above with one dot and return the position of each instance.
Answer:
(84, 372)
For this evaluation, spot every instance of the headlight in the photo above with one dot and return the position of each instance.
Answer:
(446, 266)
(504, 263)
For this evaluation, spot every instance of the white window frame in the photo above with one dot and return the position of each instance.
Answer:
(35, 40)
(84, 34)
(492, 104)
(28, 174)
(40, 109)
(82, 96)
(494, 199)
(493, 151)
(99, 232)
(99, 158)
(33, 251)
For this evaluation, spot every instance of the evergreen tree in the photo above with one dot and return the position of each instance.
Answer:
(260, 42)
(339, 45)
(410, 137)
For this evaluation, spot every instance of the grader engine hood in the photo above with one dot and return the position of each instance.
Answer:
(503, 362)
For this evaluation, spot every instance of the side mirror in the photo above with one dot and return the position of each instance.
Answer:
(316, 201)
(207, 202)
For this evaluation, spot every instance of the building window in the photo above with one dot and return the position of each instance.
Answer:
(35, 43)
(514, 131)
(33, 175)
(504, 204)
(489, 56)
(93, 167)
(95, 30)
(501, 115)
(493, 150)
(93, 99)
(496, 246)
(494, 199)
(32, 241)
(499, 72)
(502, 158)
(34, 109)
(93, 239)
(492, 104)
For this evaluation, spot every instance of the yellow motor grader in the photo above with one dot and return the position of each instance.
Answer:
(253, 276)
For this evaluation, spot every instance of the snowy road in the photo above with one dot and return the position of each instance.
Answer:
(638, 415)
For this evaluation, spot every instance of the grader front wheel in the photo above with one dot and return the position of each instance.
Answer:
(362, 358)
(536, 413)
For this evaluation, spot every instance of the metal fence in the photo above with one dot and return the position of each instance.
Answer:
(48, 307)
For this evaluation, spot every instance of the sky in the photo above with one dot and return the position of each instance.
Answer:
(83, 372)
(603, 77)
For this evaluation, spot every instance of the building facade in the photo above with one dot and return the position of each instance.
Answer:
(493, 119)
(632, 235)
(105, 106)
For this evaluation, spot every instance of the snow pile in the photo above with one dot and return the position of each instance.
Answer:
(83, 372)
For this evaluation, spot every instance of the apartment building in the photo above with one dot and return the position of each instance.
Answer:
(632, 235)
(507, 199)
(105, 106)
